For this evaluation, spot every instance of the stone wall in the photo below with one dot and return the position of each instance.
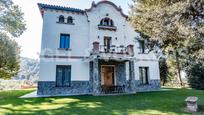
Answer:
(76, 88)
(120, 74)
(153, 85)
(120, 71)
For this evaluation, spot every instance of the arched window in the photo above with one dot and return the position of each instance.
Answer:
(70, 20)
(61, 19)
(101, 23)
(111, 23)
(106, 22)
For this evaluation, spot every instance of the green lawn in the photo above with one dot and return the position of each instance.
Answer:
(168, 102)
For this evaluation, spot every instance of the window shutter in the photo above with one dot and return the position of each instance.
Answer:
(67, 41)
(59, 76)
(63, 76)
(62, 41)
(67, 76)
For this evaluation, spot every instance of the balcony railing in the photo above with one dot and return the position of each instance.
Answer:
(113, 49)
(103, 27)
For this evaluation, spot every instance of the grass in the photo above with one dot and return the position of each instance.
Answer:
(151, 103)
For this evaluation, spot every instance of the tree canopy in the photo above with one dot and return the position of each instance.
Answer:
(176, 25)
(11, 18)
(9, 57)
(12, 25)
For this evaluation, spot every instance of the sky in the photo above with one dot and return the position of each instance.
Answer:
(30, 40)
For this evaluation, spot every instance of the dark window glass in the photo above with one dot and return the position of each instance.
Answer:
(61, 19)
(107, 44)
(144, 75)
(101, 23)
(141, 46)
(111, 23)
(65, 41)
(70, 20)
(63, 76)
(106, 22)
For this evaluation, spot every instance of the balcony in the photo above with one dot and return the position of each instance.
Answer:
(103, 27)
(112, 52)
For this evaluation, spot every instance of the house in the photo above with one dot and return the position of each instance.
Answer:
(93, 51)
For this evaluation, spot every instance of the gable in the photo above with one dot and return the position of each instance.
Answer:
(107, 4)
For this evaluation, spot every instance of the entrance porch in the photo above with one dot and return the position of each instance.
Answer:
(112, 76)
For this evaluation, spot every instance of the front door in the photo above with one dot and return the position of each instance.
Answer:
(107, 77)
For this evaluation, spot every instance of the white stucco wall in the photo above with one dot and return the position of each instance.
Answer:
(79, 69)
(82, 34)
(97, 14)
(153, 69)
(79, 36)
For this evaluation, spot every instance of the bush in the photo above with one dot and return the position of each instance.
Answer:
(195, 75)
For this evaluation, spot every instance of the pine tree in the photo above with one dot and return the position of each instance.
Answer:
(177, 25)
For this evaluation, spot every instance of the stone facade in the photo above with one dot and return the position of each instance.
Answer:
(131, 78)
(76, 88)
(120, 74)
(96, 79)
(93, 87)
(153, 85)
(95, 74)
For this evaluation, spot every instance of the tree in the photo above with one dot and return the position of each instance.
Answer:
(195, 74)
(163, 71)
(12, 25)
(9, 57)
(177, 25)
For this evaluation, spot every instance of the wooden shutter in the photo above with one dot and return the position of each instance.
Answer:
(59, 76)
(67, 76)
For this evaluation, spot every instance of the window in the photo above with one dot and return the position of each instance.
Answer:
(63, 76)
(107, 22)
(141, 46)
(144, 75)
(69, 20)
(65, 41)
(61, 19)
(107, 44)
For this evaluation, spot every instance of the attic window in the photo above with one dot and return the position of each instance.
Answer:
(106, 22)
(70, 20)
(61, 19)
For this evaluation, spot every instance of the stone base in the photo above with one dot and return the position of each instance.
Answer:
(85, 88)
(77, 87)
(153, 85)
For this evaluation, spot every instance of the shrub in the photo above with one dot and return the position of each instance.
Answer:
(195, 75)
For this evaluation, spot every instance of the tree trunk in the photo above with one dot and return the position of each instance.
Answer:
(178, 68)
(163, 83)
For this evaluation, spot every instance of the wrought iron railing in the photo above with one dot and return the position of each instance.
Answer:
(112, 89)
(103, 27)
(113, 49)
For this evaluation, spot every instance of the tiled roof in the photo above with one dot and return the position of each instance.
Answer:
(55, 7)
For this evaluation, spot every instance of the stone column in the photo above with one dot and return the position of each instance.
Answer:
(96, 79)
(131, 77)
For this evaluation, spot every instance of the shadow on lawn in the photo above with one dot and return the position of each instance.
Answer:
(149, 103)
